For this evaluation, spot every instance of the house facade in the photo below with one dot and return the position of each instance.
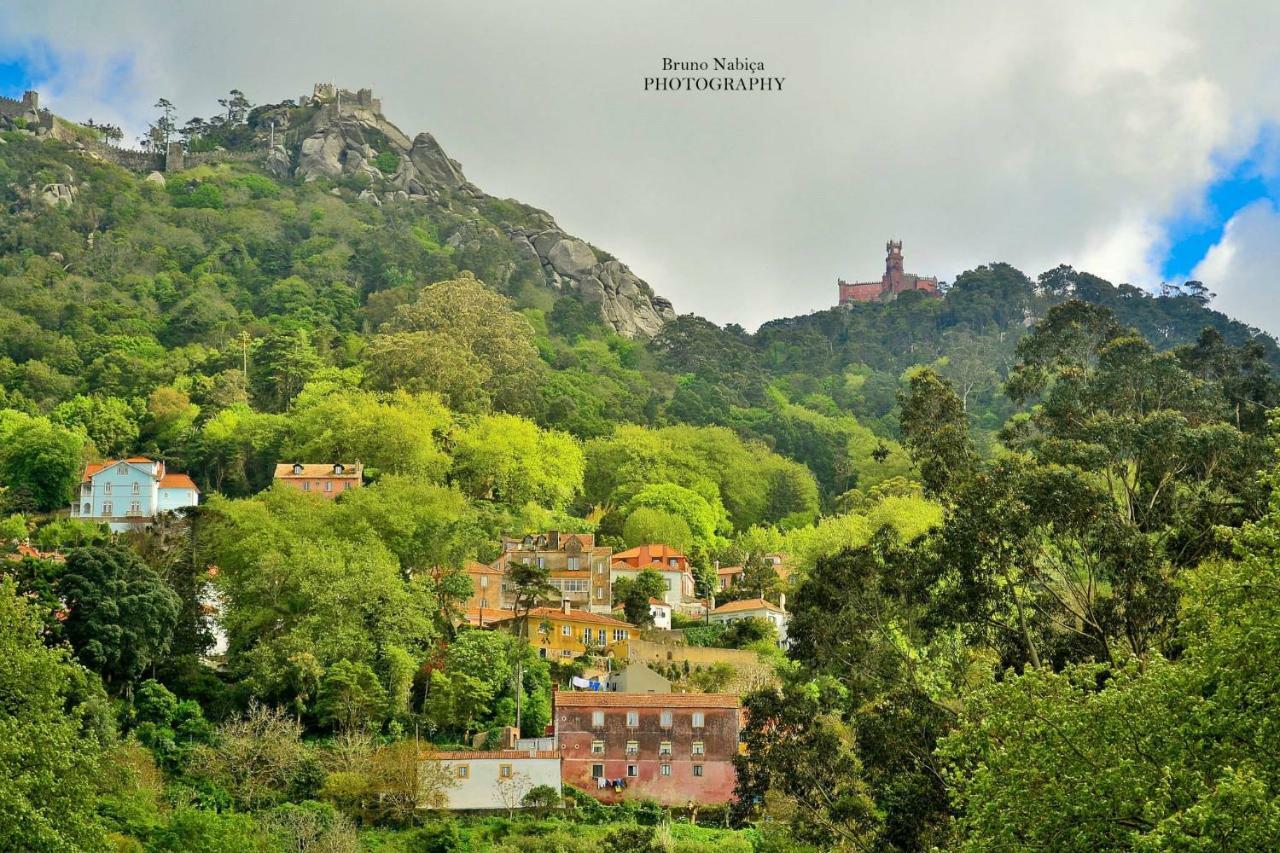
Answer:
(661, 613)
(129, 493)
(564, 633)
(325, 480)
(756, 608)
(484, 607)
(579, 569)
(675, 748)
(663, 559)
(481, 781)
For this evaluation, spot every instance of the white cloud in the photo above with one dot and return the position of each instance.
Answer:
(1036, 133)
(1242, 267)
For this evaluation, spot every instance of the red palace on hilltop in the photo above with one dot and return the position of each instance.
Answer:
(895, 281)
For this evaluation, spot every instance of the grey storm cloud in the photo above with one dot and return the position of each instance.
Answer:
(1035, 133)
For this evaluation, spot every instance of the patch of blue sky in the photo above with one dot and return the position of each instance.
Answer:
(1251, 178)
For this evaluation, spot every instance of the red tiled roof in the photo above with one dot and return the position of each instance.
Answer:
(177, 481)
(466, 755)
(621, 565)
(747, 604)
(571, 616)
(474, 568)
(319, 470)
(595, 699)
(729, 570)
(659, 602)
(652, 552)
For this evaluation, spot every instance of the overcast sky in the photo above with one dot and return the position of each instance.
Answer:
(1113, 137)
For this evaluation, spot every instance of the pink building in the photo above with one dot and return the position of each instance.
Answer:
(675, 748)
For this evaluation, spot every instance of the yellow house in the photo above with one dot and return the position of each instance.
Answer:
(567, 633)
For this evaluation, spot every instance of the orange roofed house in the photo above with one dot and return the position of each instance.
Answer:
(129, 493)
(325, 480)
(579, 569)
(893, 282)
(675, 748)
(663, 559)
(565, 633)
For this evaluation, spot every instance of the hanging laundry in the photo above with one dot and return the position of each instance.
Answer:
(580, 683)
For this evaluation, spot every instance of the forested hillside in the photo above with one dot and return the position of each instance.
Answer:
(1031, 520)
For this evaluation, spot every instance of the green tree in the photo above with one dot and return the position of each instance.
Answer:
(350, 696)
(49, 749)
(120, 613)
(40, 462)
(111, 423)
(635, 596)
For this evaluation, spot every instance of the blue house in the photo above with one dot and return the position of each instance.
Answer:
(130, 493)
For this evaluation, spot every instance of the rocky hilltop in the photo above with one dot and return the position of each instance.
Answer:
(335, 133)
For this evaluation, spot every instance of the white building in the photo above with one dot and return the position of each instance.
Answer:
(130, 493)
(496, 780)
(679, 582)
(661, 613)
(758, 608)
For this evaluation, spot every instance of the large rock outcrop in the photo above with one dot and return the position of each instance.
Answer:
(348, 135)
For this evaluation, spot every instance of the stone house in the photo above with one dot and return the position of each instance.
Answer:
(753, 608)
(579, 569)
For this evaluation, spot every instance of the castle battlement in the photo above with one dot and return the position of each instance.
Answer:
(893, 282)
(343, 101)
(30, 103)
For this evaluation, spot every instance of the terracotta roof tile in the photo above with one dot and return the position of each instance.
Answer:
(284, 470)
(177, 481)
(747, 604)
(468, 755)
(729, 570)
(653, 552)
(571, 616)
(595, 699)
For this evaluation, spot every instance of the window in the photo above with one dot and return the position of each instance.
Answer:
(673, 562)
(619, 633)
(633, 747)
(664, 719)
(597, 771)
(633, 719)
(346, 486)
(484, 582)
(597, 747)
(664, 748)
(106, 490)
(666, 770)
(137, 488)
(573, 563)
(504, 771)
(328, 485)
(306, 485)
(699, 748)
(463, 771)
(542, 562)
(565, 653)
(586, 636)
(599, 593)
(86, 509)
(597, 719)
(600, 636)
(106, 509)
(297, 469)
(632, 770)
(697, 770)
(699, 719)
(566, 631)
(135, 508)
(484, 602)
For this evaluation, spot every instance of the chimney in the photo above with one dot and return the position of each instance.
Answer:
(553, 540)
(566, 606)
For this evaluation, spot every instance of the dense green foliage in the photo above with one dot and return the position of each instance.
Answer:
(1032, 593)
